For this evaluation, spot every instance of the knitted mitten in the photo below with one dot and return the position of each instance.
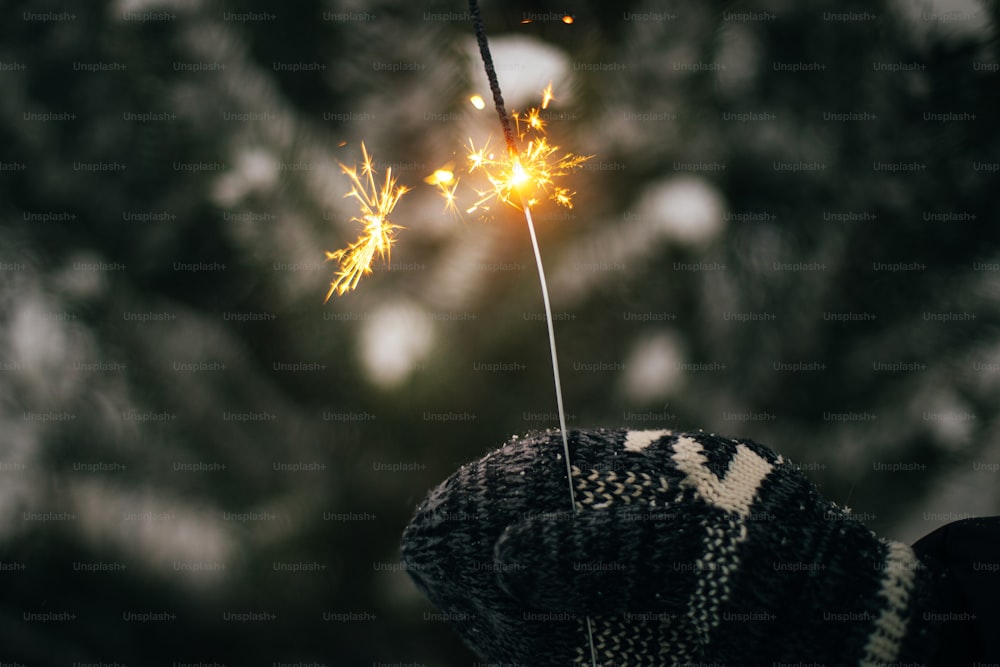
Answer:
(688, 548)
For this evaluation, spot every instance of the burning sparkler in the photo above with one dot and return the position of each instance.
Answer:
(524, 173)
(522, 178)
(519, 178)
(378, 234)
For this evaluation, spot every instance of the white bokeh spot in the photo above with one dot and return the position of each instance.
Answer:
(685, 209)
(396, 339)
(652, 371)
(524, 67)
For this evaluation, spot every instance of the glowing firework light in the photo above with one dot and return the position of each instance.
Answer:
(519, 177)
(378, 233)
(523, 177)
(530, 168)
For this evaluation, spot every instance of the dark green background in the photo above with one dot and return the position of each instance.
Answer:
(269, 227)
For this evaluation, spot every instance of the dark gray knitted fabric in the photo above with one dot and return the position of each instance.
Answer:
(688, 549)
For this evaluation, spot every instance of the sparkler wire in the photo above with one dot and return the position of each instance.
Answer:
(484, 51)
(552, 349)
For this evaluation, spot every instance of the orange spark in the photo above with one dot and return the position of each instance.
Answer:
(444, 178)
(532, 173)
(547, 96)
(378, 235)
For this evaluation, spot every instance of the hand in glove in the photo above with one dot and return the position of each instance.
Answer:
(687, 548)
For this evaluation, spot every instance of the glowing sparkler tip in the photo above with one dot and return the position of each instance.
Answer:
(567, 19)
(478, 102)
(520, 177)
(517, 173)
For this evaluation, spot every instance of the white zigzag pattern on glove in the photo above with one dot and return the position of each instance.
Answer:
(900, 566)
(734, 493)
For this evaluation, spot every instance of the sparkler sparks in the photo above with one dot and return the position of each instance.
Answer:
(517, 177)
(547, 96)
(531, 173)
(444, 178)
(525, 168)
(378, 235)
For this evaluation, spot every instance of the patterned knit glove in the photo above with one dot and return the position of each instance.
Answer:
(686, 549)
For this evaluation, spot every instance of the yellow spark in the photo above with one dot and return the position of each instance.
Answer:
(444, 178)
(547, 96)
(478, 102)
(522, 177)
(567, 19)
(518, 175)
(532, 173)
(477, 158)
(378, 235)
(533, 119)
